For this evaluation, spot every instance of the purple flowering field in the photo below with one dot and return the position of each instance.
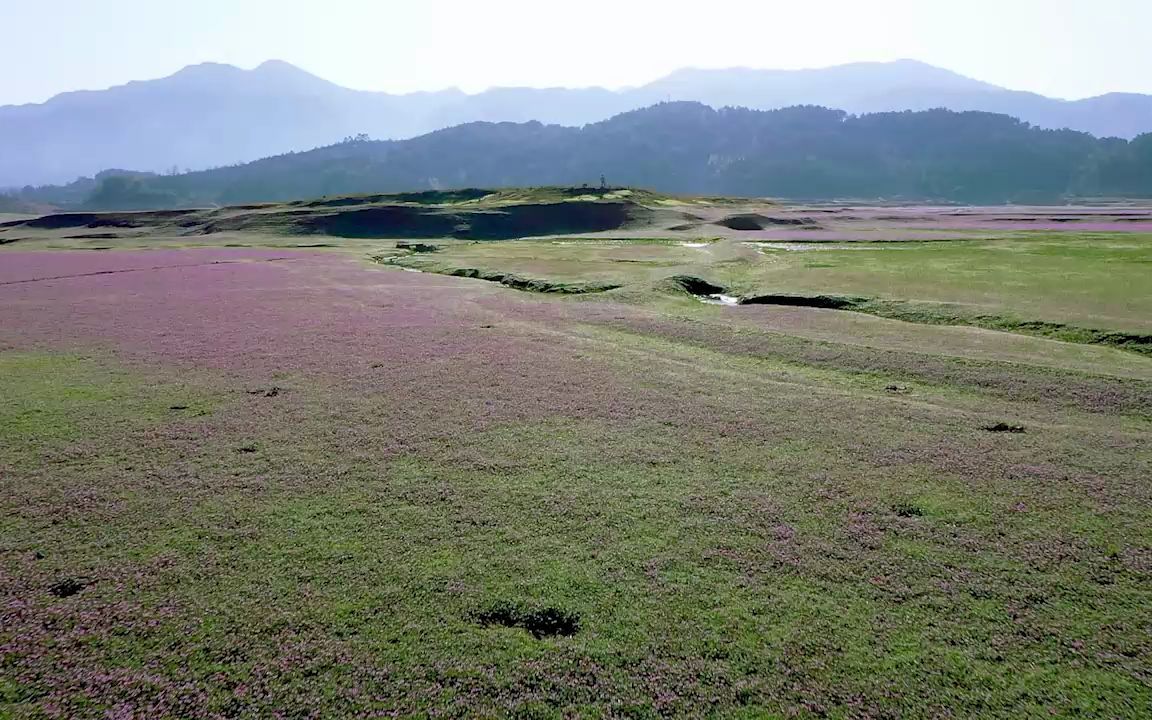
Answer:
(269, 483)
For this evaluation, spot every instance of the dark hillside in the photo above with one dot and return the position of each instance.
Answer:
(808, 153)
(213, 115)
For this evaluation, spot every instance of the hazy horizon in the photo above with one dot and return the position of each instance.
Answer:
(474, 90)
(1071, 50)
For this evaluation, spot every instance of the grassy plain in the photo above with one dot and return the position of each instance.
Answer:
(294, 483)
(1096, 280)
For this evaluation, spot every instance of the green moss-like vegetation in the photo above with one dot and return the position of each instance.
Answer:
(958, 315)
(693, 571)
(51, 400)
(1082, 289)
(460, 501)
(1091, 281)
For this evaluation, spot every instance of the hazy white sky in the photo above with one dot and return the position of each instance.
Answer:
(1065, 48)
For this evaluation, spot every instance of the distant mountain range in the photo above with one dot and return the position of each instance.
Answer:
(679, 147)
(212, 115)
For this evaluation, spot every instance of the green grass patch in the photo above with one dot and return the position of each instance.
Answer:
(55, 399)
(1070, 279)
(716, 584)
(942, 314)
(736, 523)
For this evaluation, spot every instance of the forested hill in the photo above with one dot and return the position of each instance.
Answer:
(681, 147)
(211, 114)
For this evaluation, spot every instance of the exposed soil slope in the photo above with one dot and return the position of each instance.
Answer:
(465, 214)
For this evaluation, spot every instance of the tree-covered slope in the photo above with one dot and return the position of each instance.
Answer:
(683, 147)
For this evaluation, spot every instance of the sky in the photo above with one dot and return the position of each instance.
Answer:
(1062, 48)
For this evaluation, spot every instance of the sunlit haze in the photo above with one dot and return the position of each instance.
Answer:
(1062, 48)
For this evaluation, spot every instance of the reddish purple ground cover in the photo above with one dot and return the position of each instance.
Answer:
(19, 267)
(223, 308)
(840, 235)
(1001, 224)
(441, 354)
(427, 339)
(1046, 219)
(878, 223)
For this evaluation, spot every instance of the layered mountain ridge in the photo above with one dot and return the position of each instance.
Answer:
(212, 115)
